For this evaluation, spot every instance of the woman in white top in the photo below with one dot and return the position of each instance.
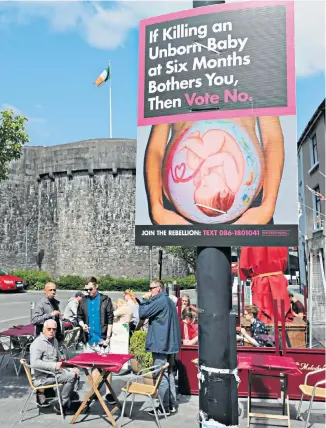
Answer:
(133, 304)
(119, 343)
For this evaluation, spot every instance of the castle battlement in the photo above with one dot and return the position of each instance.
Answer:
(76, 203)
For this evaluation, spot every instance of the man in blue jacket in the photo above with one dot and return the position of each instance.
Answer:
(163, 340)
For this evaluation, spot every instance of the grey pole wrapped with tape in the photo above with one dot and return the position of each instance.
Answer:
(218, 380)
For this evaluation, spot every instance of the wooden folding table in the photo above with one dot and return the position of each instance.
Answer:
(271, 366)
(106, 364)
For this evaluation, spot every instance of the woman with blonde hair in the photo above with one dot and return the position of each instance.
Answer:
(122, 312)
(131, 300)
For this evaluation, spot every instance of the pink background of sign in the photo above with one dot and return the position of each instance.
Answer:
(274, 111)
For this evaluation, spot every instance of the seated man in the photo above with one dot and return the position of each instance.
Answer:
(189, 331)
(298, 309)
(44, 352)
(258, 329)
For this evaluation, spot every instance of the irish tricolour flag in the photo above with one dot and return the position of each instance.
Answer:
(103, 77)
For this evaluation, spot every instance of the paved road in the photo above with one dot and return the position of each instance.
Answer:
(15, 307)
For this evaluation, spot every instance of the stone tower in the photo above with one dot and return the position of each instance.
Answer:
(74, 206)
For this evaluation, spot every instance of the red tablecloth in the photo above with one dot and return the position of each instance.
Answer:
(111, 362)
(27, 330)
(24, 330)
(274, 363)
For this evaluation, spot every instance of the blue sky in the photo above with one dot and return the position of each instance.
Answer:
(52, 52)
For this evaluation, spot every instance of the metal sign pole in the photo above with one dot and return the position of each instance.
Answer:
(150, 264)
(32, 307)
(310, 298)
(160, 261)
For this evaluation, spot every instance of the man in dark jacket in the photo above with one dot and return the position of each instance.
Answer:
(95, 317)
(48, 308)
(163, 339)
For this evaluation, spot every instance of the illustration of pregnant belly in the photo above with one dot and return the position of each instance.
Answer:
(212, 172)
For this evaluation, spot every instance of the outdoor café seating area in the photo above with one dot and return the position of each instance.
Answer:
(14, 351)
(289, 370)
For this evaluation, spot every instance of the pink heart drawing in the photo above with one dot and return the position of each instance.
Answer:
(182, 169)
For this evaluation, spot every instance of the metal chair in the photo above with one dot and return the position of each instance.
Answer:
(133, 387)
(4, 350)
(311, 391)
(19, 349)
(70, 341)
(34, 389)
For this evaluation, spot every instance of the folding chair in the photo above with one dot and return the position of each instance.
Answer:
(70, 341)
(133, 387)
(4, 350)
(19, 349)
(311, 391)
(34, 389)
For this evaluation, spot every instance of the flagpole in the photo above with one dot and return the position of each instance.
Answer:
(110, 100)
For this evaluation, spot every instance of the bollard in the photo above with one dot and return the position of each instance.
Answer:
(32, 306)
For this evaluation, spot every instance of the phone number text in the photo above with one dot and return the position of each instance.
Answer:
(227, 232)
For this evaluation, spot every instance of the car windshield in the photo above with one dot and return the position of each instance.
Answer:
(2, 272)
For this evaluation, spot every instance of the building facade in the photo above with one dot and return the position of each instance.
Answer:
(311, 161)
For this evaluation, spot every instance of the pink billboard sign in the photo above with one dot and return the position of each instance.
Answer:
(217, 62)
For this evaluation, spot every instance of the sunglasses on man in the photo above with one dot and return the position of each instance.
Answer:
(153, 288)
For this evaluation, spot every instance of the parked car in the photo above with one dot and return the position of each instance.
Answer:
(10, 282)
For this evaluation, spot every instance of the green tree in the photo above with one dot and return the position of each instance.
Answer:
(13, 136)
(188, 254)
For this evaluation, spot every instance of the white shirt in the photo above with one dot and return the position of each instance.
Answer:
(135, 311)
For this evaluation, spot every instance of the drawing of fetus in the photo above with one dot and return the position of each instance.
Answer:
(218, 165)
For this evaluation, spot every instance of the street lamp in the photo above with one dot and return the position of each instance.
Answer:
(26, 245)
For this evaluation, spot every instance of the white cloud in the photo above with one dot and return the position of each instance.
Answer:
(31, 119)
(37, 120)
(310, 37)
(105, 25)
(16, 110)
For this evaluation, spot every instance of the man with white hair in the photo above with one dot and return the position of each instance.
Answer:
(44, 355)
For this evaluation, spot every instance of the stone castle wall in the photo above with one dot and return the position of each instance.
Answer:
(76, 204)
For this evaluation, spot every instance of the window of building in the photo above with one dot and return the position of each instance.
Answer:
(317, 209)
(313, 150)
